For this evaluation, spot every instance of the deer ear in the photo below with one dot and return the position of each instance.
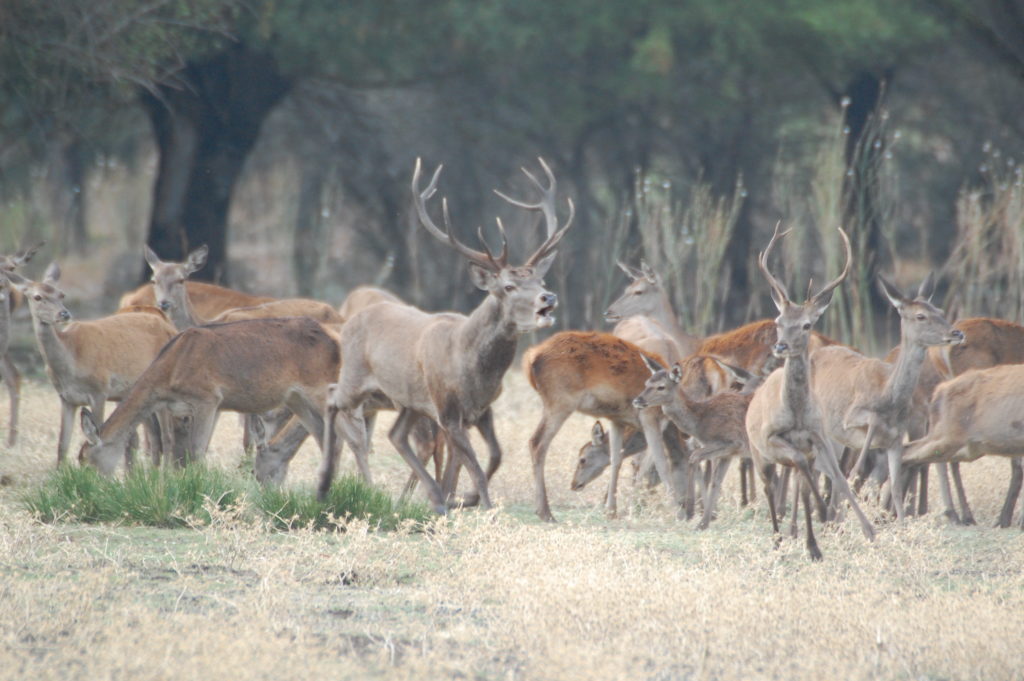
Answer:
(542, 267)
(17, 281)
(196, 259)
(652, 364)
(630, 272)
(483, 279)
(927, 288)
(891, 292)
(676, 375)
(52, 274)
(151, 257)
(89, 428)
(648, 274)
(597, 435)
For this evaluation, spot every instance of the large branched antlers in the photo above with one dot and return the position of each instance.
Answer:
(485, 258)
(779, 292)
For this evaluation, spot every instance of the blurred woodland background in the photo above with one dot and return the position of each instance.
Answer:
(282, 133)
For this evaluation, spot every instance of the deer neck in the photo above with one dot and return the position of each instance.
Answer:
(796, 390)
(488, 339)
(129, 412)
(899, 388)
(53, 344)
(665, 315)
(680, 412)
(183, 315)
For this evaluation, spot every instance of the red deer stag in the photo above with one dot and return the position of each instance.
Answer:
(445, 366)
(784, 424)
(89, 362)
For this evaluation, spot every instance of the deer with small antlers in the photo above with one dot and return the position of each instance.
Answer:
(89, 362)
(445, 366)
(784, 423)
(9, 372)
(866, 403)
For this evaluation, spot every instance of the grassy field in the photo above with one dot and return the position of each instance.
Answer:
(498, 595)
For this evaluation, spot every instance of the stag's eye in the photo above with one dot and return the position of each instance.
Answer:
(509, 288)
(920, 316)
(37, 297)
(807, 326)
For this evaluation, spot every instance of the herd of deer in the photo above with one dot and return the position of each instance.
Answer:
(774, 394)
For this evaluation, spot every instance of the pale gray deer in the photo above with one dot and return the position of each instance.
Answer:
(90, 362)
(447, 367)
(9, 372)
(250, 367)
(867, 403)
(784, 423)
(716, 422)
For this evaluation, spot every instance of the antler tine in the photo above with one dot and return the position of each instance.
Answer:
(23, 256)
(502, 259)
(552, 241)
(846, 269)
(762, 263)
(420, 199)
(546, 205)
(631, 272)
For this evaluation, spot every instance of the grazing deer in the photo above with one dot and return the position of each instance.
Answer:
(784, 424)
(249, 366)
(867, 403)
(89, 362)
(596, 374)
(717, 423)
(9, 372)
(446, 366)
(976, 413)
(207, 300)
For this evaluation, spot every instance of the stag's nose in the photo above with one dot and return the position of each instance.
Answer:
(64, 316)
(548, 299)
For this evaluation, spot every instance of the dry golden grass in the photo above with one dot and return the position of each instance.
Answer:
(498, 595)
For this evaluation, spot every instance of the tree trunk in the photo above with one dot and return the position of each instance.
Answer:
(309, 229)
(205, 127)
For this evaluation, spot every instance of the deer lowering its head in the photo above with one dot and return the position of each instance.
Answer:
(446, 366)
(784, 424)
(867, 403)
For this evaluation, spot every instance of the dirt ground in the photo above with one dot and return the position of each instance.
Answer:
(499, 595)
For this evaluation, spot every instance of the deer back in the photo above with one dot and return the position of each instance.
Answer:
(364, 296)
(287, 307)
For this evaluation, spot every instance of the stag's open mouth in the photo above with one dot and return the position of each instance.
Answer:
(546, 316)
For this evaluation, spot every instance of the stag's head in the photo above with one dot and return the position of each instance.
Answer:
(920, 321)
(641, 297)
(45, 300)
(169, 277)
(519, 289)
(795, 321)
(660, 387)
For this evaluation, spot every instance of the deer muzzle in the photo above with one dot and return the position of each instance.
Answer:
(547, 303)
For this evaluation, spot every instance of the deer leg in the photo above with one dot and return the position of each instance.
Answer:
(331, 451)
(399, 437)
(826, 462)
(615, 451)
(720, 469)
(895, 455)
(966, 516)
(781, 490)
(793, 529)
(541, 439)
(947, 494)
(922, 490)
(67, 417)
(12, 380)
(485, 426)
(204, 419)
(1016, 476)
(458, 440)
(427, 439)
(655, 447)
(806, 485)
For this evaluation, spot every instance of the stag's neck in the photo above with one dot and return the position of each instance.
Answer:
(60, 363)
(796, 391)
(899, 389)
(488, 341)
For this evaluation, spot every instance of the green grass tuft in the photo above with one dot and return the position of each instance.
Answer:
(349, 497)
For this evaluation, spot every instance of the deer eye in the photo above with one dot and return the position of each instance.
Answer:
(807, 326)
(509, 288)
(920, 316)
(37, 297)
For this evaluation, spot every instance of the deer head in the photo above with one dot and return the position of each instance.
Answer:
(169, 277)
(642, 296)
(920, 321)
(518, 289)
(660, 387)
(45, 300)
(795, 321)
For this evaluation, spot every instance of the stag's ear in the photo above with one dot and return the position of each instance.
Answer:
(196, 259)
(652, 364)
(483, 279)
(151, 257)
(52, 274)
(891, 292)
(927, 288)
(676, 375)
(630, 272)
(597, 435)
(544, 265)
(89, 428)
